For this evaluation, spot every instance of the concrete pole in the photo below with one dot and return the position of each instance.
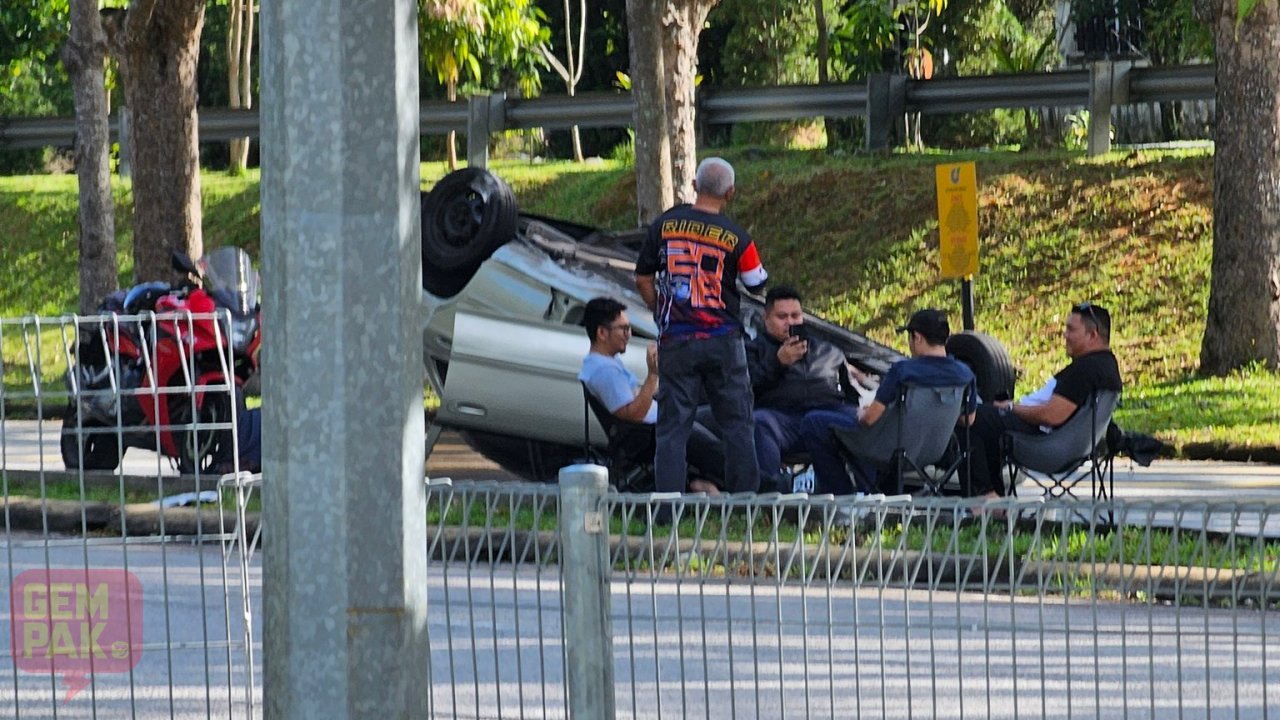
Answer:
(486, 115)
(588, 632)
(1099, 138)
(344, 573)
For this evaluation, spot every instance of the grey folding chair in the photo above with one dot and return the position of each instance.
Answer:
(915, 433)
(1074, 452)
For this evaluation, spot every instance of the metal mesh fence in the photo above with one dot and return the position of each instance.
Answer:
(805, 607)
(124, 605)
(128, 587)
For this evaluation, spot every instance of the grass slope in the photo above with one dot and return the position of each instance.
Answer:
(1132, 231)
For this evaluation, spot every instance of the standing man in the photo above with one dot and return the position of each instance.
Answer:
(1093, 367)
(795, 377)
(687, 273)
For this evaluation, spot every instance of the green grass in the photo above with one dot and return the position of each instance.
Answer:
(70, 490)
(1135, 545)
(1131, 230)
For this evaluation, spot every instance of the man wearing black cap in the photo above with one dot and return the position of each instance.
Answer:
(1093, 367)
(929, 366)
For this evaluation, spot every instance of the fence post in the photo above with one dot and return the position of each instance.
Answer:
(886, 103)
(1108, 87)
(584, 561)
(486, 114)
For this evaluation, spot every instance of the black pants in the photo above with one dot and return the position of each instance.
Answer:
(686, 369)
(986, 457)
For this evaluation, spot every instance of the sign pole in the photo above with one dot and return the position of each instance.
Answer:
(966, 301)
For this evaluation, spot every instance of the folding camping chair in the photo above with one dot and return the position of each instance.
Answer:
(916, 432)
(1060, 460)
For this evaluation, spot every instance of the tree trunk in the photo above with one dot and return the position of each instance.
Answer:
(239, 75)
(575, 63)
(653, 144)
(824, 51)
(1243, 324)
(161, 44)
(682, 21)
(84, 56)
(451, 140)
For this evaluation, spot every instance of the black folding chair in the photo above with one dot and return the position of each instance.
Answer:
(916, 432)
(1074, 452)
(629, 454)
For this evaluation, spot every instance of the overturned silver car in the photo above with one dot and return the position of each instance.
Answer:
(504, 295)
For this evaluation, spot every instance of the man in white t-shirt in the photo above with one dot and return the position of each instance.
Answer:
(629, 398)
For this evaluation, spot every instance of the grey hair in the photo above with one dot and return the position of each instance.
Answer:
(715, 177)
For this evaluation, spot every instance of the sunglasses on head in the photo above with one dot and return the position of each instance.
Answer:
(1087, 308)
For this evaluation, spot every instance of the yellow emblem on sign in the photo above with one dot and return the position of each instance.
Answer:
(957, 219)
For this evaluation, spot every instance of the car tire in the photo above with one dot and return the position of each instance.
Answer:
(989, 361)
(467, 215)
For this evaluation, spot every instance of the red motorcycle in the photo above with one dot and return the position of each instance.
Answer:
(163, 368)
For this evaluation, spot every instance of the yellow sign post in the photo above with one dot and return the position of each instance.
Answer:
(958, 219)
(957, 185)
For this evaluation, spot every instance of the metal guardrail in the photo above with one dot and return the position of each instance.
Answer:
(1070, 88)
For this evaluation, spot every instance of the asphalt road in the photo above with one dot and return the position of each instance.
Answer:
(700, 647)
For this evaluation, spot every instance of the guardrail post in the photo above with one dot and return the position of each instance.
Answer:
(886, 103)
(1108, 87)
(584, 562)
(486, 115)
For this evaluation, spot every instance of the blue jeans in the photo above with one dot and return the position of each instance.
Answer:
(829, 468)
(781, 431)
(686, 369)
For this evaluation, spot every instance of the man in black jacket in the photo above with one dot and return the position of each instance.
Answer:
(792, 375)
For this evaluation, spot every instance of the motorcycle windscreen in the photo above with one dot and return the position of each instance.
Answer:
(229, 277)
(520, 378)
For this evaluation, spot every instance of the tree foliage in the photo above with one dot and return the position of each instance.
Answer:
(765, 43)
(32, 30)
(482, 45)
(32, 82)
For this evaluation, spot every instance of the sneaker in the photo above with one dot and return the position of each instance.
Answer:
(803, 481)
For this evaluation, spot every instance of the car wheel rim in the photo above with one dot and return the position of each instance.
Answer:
(463, 218)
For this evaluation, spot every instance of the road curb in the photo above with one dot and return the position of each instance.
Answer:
(72, 517)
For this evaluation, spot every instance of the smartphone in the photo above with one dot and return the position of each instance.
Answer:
(798, 331)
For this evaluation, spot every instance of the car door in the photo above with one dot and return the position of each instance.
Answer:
(519, 377)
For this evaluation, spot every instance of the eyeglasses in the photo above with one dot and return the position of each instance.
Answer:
(624, 328)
